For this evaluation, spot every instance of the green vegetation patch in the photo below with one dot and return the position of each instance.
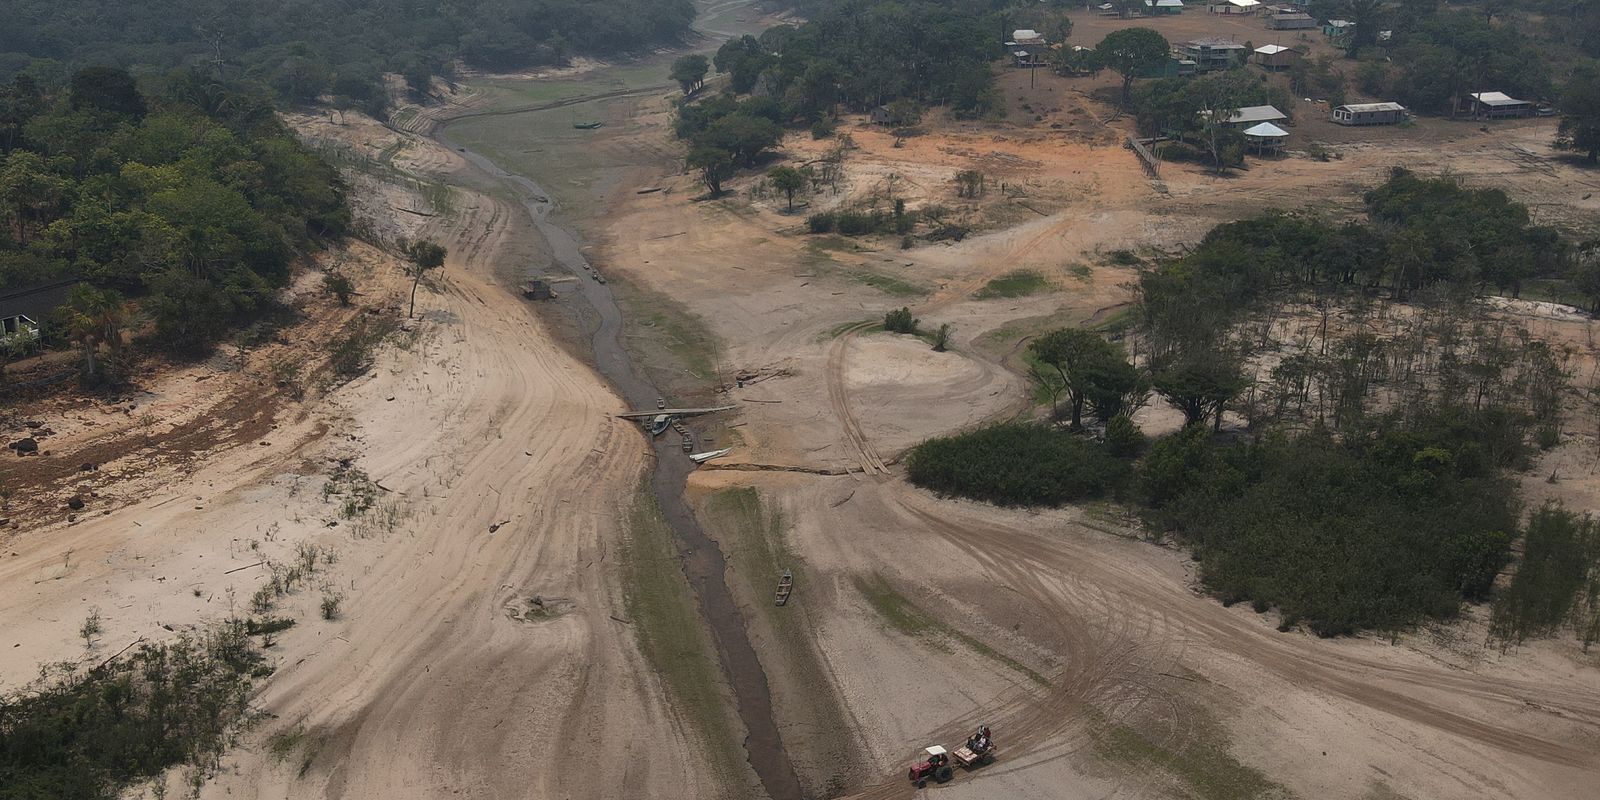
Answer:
(1020, 283)
(1201, 762)
(1557, 583)
(904, 616)
(1375, 529)
(889, 285)
(667, 625)
(1016, 464)
(895, 608)
(91, 735)
(839, 330)
(662, 322)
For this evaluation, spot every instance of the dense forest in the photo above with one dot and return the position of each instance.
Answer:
(189, 194)
(1376, 413)
(306, 48)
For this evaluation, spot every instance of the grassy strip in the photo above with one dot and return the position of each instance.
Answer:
(662, 331)
(667, 624)
(905, 617)
(889, 285)
(1203, 766)
(1020, 283)
(839, 330)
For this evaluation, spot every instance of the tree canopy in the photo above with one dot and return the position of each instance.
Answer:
(1130, 51)
(196, 206)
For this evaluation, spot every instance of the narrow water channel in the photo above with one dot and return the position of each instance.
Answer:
(702, 559)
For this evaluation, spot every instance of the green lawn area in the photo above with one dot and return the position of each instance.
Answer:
(1021, 283)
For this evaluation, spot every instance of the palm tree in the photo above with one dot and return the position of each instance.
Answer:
(95, 318)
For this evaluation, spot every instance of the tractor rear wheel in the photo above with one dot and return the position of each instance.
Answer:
(944, 774)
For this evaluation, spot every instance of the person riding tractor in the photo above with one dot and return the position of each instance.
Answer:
(979, 742)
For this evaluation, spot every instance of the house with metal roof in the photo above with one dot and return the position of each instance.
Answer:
(1163, 6)
(1274, 56)
(1235, 7)
(1291, 21)
(1497, 105)
(22, 310)
(1213, 54)
(1253, 115)
(1370, 114)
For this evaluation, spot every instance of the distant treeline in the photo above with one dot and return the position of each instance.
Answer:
(864, 53)
(306, 48)
(189, 194)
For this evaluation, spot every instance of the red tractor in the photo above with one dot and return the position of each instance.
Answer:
(936, 761)
(935, 765)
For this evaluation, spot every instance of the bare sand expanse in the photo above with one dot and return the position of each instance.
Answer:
(1100, 667)
(499, 475)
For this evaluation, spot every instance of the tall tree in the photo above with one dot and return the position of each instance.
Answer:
(787, 180)
(1580, 112)
(1200, 384)
(715, 165)
(1219, 96)
(424, 255)
(94, 318)
(1369, 17)
(690, 72)
(106, 89)
(1130, 51)
(1075, 354)
(29, 192)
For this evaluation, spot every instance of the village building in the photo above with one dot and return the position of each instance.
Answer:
(1214, 54)
(1266, 137)
(1174, 67)
(1291, 21)
(1026, 37)
(1245, 7)
(1338, 29)
(1163, 6)
(1275, 56)
(1497, 105)
(1370, 114)
(1250, 116)
(23, 310)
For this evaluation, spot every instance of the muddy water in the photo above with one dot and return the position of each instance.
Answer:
(702, 558)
